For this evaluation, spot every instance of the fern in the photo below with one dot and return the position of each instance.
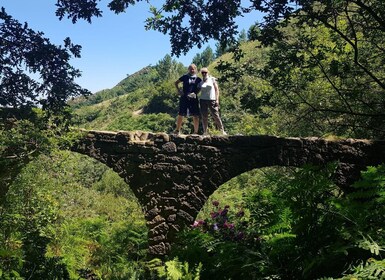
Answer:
(371, 269)
(284, 223)
(174, 269)
(370, 245)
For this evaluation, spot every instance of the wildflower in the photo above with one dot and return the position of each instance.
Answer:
(215, 226)
(215, 203)
(228, 225)
(214, 215)
(198, 223)
(224, 212)
(241, 213)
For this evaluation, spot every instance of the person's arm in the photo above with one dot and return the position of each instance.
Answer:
(199, 86)
(178, 89)
(216, 88)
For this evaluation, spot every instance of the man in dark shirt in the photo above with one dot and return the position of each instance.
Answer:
(188, 101)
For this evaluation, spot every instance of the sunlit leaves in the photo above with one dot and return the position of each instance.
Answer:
(78, 9)
(194, 23)
(34, 72)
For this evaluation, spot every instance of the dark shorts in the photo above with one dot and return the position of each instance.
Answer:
(192, 105)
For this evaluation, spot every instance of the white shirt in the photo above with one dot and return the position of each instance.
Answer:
(207, 89)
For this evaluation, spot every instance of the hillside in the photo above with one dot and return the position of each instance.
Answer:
(128, 84)
(147, 101)
(66, 216)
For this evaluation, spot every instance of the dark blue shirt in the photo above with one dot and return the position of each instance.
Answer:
(190, 83)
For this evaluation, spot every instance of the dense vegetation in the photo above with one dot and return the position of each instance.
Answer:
(64, 216)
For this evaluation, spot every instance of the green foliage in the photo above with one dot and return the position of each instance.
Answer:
(242, 37)
(142, 78)
(149, 108)
(62, 219)
(204, 59)
(246, 102)
(170, 17)
(150, 122)
(371, 269)
(68, 217)
(254, 32)
(328, 76)
(24, 52)
(169, 69)
(31, 214)
(299, 225)
(173, 270)
(24, 135)
(139, 80)
(164, 100)
(219, 245)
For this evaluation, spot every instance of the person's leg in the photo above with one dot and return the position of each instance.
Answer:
(214, 110)
(205, 115)
(195, 112)
(196, 124)
(179, 121)
(181, 114)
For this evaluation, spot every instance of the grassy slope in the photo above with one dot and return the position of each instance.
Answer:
(139, 102)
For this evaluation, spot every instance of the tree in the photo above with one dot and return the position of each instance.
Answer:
(169, 68)
(355, 25)
(358, 24)
(254, 32)
(205, 58)
(24, 52)
(185, 22)
(340, 43)
(242, 37)
(31, 110)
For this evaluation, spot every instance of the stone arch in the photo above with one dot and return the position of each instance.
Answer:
(172, 176)
(236, 186)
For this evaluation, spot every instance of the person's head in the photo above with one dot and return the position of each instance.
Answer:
(192, 69)
(204, 72)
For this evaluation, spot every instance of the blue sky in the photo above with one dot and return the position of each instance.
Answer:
(113, 46)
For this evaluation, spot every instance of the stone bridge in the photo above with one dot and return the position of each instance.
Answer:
(173, 176)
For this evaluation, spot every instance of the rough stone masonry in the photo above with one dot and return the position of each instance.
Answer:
(173, 176)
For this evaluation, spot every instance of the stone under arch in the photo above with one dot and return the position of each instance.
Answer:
(173, 176)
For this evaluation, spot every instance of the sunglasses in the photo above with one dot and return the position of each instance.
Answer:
(204, 72)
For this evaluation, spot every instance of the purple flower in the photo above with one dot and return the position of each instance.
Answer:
(227, 225)
(214, 215)
(241, 213)
(215, 226)
(224, 212)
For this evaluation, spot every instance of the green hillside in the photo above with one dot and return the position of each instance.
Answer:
(66, 216)
(307, 84)
(147, 100)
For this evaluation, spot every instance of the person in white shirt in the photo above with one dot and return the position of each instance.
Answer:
(209, 100)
